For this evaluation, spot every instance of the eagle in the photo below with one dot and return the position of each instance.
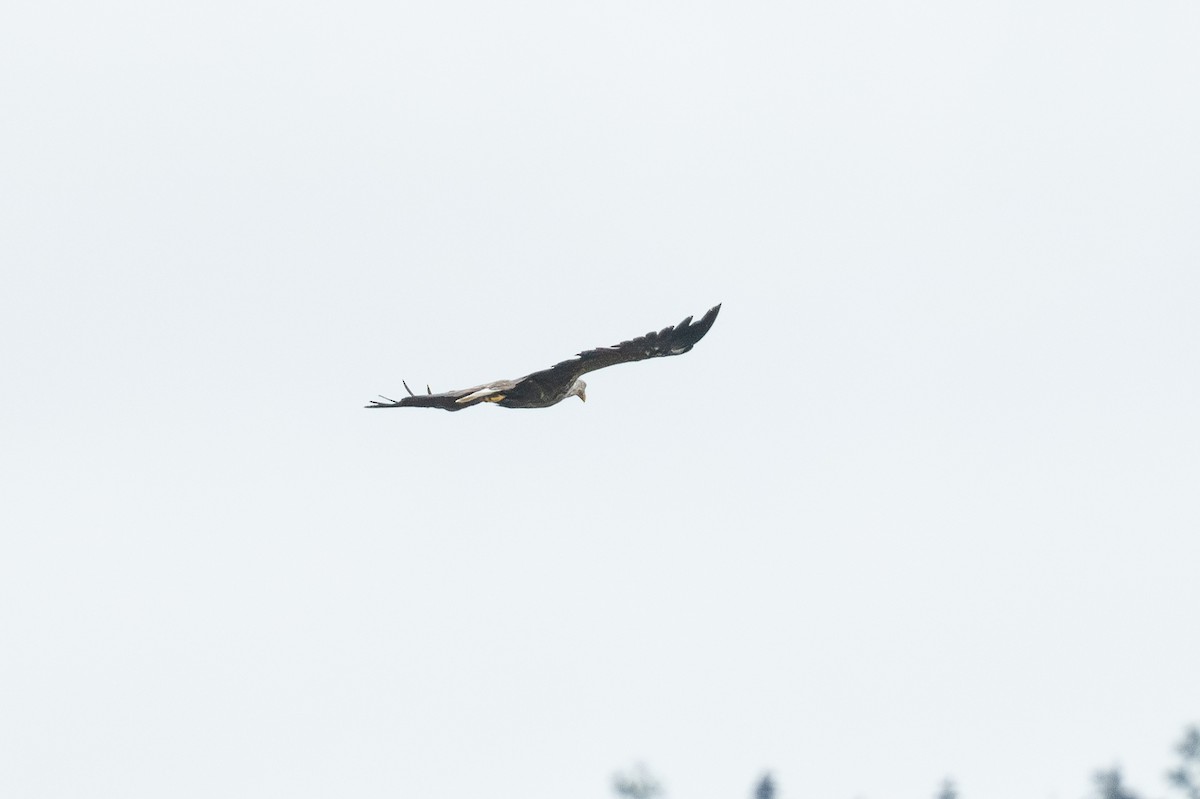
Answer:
(552, 386)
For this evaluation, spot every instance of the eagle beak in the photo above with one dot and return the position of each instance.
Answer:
(582, 396)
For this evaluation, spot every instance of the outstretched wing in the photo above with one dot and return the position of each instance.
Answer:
(673, 340)
(447, 400)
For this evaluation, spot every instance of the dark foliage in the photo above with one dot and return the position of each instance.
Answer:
(1187, 777)
(1109, 785)
(948, 790)
(637, 783)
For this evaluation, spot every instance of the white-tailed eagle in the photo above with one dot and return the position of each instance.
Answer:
(550, 386)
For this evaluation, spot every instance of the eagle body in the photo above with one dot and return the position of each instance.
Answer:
(552, 386)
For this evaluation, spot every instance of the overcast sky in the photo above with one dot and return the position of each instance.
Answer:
(924, 502)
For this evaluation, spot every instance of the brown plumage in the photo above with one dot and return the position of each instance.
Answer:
(551, 386)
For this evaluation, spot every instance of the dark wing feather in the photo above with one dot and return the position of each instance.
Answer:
(447, 400)
(673, 340)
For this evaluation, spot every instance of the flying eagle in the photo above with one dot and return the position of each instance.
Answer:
(550, 386)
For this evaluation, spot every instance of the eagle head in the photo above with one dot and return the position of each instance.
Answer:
(579, 389)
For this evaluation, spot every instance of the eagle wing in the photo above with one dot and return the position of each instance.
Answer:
(446, 400)
(672, 340)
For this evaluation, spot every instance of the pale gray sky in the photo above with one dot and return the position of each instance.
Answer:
(923, 503)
